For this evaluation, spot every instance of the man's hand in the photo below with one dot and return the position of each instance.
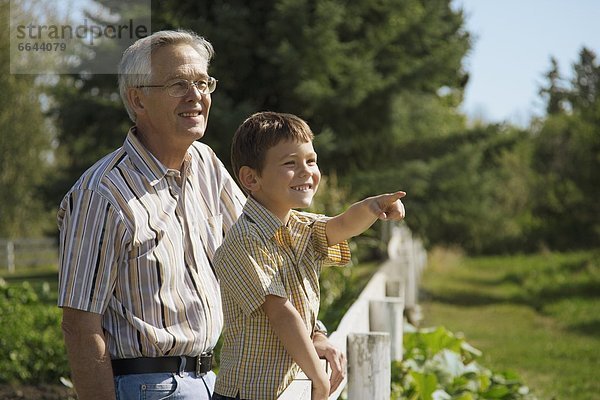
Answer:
(335, 358)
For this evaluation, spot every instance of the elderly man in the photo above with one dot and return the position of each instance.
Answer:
(141, 303)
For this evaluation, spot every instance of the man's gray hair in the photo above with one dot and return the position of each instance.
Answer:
(135, 66)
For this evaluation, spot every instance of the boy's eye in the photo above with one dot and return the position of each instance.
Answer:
(288, 163)
(312, 161)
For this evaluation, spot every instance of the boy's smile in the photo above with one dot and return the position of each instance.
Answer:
(289, 178)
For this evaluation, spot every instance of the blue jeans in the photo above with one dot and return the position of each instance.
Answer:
(184, 386)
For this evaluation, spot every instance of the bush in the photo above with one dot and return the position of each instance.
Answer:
(31, 342)
(439, 365)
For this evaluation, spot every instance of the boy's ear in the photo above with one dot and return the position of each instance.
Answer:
(248, 178)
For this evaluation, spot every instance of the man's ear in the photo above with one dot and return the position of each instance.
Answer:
(134, 95)
(249, 178)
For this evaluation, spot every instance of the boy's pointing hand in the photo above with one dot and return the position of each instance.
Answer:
(361, 215)
(388, 207)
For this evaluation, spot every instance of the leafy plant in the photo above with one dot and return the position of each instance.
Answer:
(31, 344)
(439, 365)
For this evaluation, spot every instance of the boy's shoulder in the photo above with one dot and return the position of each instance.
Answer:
(242, 232)
(243, 238)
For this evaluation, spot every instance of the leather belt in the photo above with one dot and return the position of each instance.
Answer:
(152, 365)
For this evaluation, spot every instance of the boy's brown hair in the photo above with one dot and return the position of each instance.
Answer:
(261, 131)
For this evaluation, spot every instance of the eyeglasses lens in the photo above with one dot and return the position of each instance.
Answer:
(182, 87)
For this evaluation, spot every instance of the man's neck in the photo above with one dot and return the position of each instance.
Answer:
(170, 156)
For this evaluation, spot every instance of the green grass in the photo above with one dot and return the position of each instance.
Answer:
(536, 315)
(30, 272)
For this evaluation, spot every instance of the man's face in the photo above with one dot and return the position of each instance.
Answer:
(175, 119)
(289, 178)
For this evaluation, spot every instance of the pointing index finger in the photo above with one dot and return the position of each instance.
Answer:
(398, 195)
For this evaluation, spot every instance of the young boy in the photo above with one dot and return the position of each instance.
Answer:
(270, 260)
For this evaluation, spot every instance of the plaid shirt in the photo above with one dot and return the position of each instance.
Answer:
(136, 240)
(261, 257)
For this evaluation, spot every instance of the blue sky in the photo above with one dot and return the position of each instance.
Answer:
(514, 40)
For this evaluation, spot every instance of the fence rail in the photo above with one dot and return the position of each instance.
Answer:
(370, 333)
(27, 253)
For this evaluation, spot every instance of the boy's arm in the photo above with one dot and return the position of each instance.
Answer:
(361, 215)
(289, 328)
(335, 358)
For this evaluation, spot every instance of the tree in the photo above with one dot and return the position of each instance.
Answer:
(586, 82)
(24, 147)
(379, 82)
(338, 64)
(469, 189)
(567, 160)
(87, 108)
(554, 93)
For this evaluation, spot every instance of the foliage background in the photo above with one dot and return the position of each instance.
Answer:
(380, 83)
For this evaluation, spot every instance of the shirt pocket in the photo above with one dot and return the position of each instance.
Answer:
(143, 250)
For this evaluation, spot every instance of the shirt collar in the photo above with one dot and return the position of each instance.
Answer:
(152, 169)
(267, 222)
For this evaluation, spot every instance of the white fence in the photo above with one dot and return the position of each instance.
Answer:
(370, 333)
(27, 253)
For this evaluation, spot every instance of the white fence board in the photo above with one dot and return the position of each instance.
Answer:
(18, 253)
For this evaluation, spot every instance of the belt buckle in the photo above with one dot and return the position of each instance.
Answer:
(198, 366)
(203, 360)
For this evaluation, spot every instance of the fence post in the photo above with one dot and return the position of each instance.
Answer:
(386, 315)
(10, 255)
(369, 366)
(394, 287)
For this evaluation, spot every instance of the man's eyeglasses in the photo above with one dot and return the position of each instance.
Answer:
(181, 87)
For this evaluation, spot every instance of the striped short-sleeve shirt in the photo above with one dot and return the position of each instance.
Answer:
(136, 240)
(259, 257)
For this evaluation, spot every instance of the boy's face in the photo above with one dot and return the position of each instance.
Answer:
(289, 178)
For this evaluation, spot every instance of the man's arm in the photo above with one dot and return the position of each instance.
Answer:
(360, 216)
(88, 355)
(289, 328)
